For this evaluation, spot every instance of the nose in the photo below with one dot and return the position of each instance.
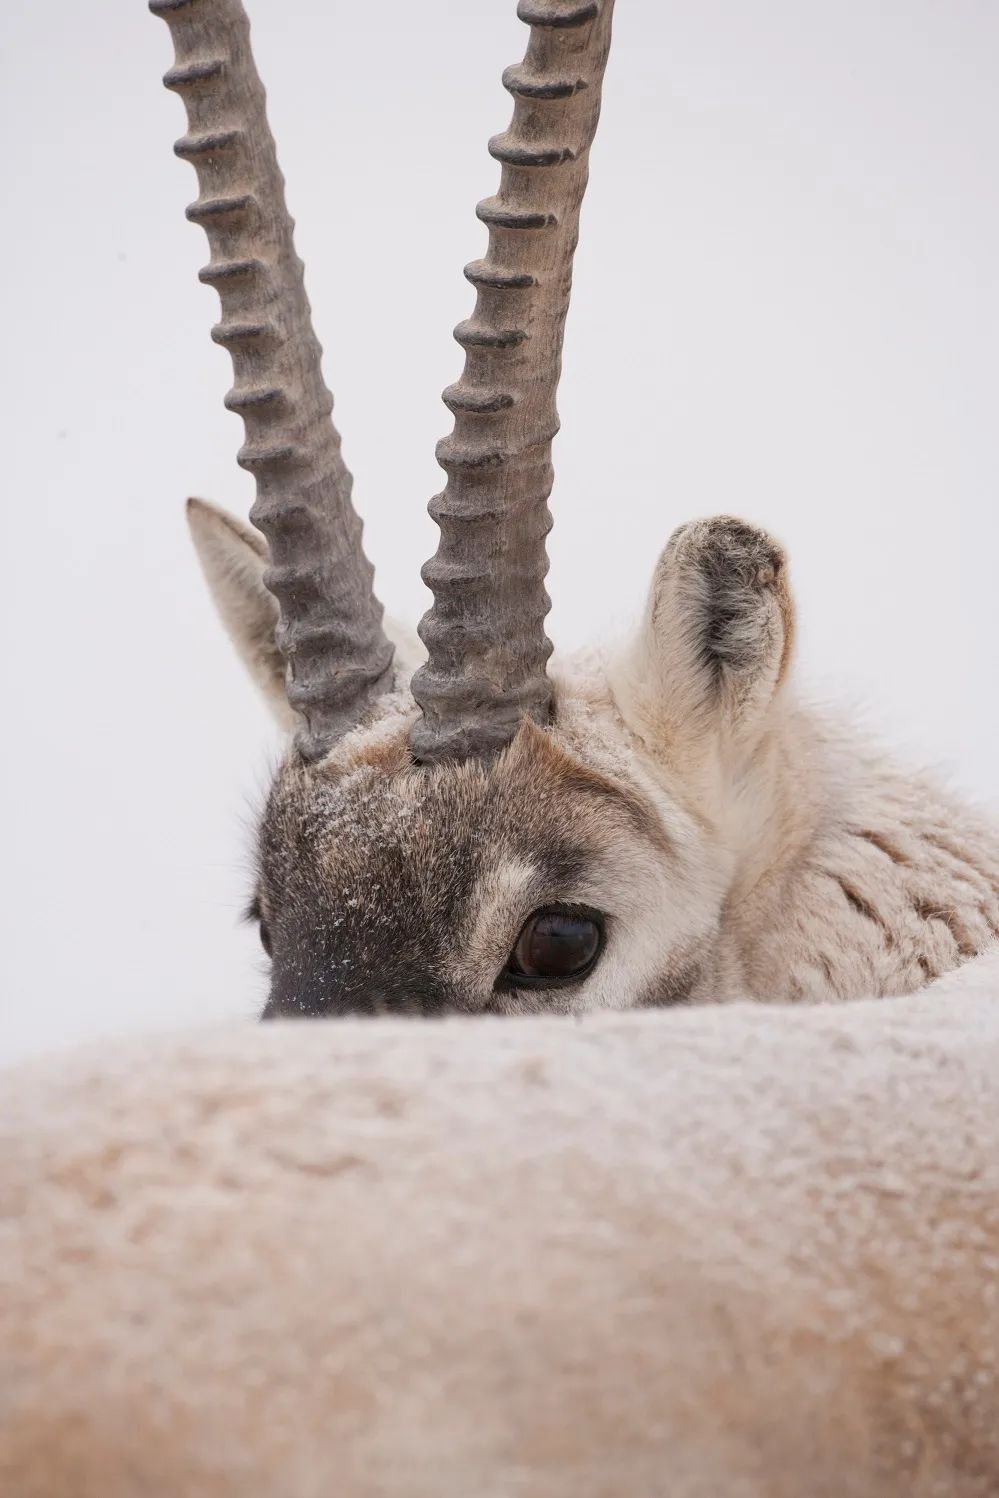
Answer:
(369, 1004)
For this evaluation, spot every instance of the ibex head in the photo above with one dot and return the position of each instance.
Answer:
(484, 836)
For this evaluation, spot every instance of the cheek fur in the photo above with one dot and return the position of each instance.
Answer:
(662, 931)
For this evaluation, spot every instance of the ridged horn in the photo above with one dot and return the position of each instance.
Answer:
(485, 633)
(330, 632)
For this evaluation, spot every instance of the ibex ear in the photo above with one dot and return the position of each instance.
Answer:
(233, 558)
(715, 644)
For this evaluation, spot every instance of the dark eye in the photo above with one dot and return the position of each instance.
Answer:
(265, 936)
(559, 944)
(254, 912)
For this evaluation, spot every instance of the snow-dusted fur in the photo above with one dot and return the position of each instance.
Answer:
(710, 1253)
(736, 844)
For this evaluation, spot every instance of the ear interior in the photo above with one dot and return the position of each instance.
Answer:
(233, 559)
(715, 645)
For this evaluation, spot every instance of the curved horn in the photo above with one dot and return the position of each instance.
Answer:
(485, 633)
(330, 631)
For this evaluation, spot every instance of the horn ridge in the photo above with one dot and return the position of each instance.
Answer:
(330, 629)
(485, 634)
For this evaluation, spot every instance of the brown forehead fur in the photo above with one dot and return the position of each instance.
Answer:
(534, 778)
(372, 868)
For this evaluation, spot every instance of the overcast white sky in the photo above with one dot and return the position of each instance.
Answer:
(786, 306)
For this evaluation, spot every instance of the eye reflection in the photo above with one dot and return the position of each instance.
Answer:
(557, 944)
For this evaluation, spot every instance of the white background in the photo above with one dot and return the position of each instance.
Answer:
(786, 306)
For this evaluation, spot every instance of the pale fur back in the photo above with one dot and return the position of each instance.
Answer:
(747, 1253)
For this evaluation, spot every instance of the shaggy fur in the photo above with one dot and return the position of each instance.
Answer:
(739, 1254)
(738, 845)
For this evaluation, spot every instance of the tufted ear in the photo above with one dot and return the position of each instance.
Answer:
(715, 644)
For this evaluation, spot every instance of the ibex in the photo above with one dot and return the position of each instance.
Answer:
(655, 824)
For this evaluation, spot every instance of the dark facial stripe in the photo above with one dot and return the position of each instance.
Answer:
(674, 985)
